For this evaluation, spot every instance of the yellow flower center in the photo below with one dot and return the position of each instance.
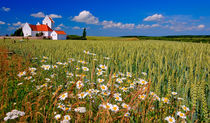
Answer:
(181, 114)
(102, 87)
(170, 120)
(115, 108)
(82, 95)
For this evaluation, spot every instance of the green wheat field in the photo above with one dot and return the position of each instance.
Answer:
(104, 81)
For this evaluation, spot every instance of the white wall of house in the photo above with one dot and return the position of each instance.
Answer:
(61, 37)
(48, 22)
(27, 30)
(54, 35)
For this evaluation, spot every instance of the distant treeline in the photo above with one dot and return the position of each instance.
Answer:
(181, 38)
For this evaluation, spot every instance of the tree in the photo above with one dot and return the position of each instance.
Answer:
(18, 32)
(84, 34)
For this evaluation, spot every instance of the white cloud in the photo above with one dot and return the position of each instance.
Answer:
(86, 17)
(38, 15)
(2, 22)
(18, 24)
(155, 17)
(201, 26)
(55, 16)
(5, 9)
(76, 27)
(111, 24)
(58, 28)
(142, 26)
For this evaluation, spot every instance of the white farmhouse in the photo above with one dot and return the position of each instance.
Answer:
(46, 28)
(58, 35)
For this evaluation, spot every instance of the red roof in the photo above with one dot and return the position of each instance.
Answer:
(40, 28)
(51, 19)
(60, 32)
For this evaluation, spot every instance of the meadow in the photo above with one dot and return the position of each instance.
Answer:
(104, 81)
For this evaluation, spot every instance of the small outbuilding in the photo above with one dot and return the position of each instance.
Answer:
(58, 35)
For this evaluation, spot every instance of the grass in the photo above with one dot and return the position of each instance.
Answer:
(170, 67)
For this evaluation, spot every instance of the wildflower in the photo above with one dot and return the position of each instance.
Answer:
(13, 114)
(124, 89)
(54, 66)
(79, 84)
(144, 73)
(127, 114)
(170, 119)
(119, 80)
(22, 74)
(82, 95)
(125, 106)
(100, 80)
(157, 98)
(174, 93)
(45, 67)
(31, 69)
(57, 117)
(142, 96)
(165, 100)
(63, 96)
(152, 93)
(180, 98)
(108, 106)
(117, 94)
(143, 82)
(103, 67)
(107, 58)
(69, 74)
(43, 60)
(114, 75)
(85, 69)
(128, 74)
(99, 73)
(59, 63)
(117, 98)
(44, 57)
(104, 87)
(114, 108)
(80, 109)
(86, 52)
(64, 121)
(28, 78)
(185, 108)
(105, 93)
(67, 117)
(182, 115)
(47, 79)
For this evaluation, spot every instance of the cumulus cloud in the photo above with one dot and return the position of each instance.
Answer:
(201, 26)
(18, 24)
(111, 24)
(58, 28)
(5, 9)
(38, 15)
(142, 26)
(155, 17)
(86, 17)
(2, 22)
(55, 16)
(76, 27)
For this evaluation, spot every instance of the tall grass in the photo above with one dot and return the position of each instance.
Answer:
(171, 67)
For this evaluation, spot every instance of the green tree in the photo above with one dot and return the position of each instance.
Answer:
(18, 32)
(84, 34)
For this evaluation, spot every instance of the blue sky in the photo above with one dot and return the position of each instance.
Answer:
(111, 17)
